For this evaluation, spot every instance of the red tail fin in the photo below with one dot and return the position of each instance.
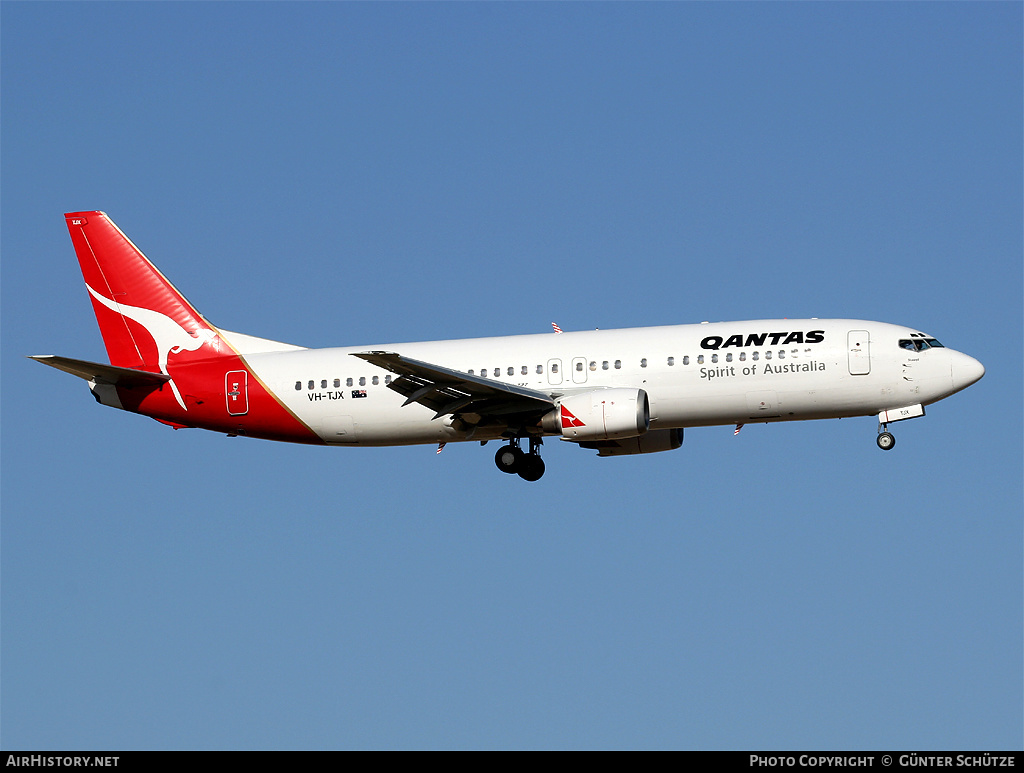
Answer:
(147, 324)
(141, 315)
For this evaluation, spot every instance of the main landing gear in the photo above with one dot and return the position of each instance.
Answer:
(512, 459)
(885, 439)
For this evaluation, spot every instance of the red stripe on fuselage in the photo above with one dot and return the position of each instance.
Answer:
(201, 384)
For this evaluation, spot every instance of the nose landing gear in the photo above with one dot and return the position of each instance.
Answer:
(885, 440)
(512, 459)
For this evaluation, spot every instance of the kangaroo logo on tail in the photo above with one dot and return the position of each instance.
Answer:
(169, 336)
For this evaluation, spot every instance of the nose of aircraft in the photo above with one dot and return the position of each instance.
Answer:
(965, 370)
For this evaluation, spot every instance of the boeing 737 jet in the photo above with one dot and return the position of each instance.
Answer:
(618, 392)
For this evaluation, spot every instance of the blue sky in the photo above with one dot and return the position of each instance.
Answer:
(338, 174)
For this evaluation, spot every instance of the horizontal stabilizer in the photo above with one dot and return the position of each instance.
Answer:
(103, 374)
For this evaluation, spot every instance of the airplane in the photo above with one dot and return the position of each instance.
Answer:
(619, 392)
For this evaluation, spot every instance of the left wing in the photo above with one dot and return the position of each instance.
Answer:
(447, 391)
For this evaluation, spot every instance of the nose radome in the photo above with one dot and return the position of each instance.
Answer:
(965, 370)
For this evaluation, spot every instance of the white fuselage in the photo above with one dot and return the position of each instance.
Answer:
(694, 375)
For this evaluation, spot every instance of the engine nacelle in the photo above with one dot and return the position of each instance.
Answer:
(649, 443)
(603, 414)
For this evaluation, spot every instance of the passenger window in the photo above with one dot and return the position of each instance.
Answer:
(348, 381)
(525, 370)
(671, 361)
(554, 367)
(579, 367)
(312, 385)
(497, 372)
(643, 363)
(323, 384)
(362, 381)
(743, 356)
(782, 354)
(754, 356)
(593, 365)
(618, 364)
(337, 383)
(767, 355)
(540, 370)
(387, 379)
(714, 358)
(375, 380)
(686, 359)
(728, 357)
(700, 359)
(511, 371)
(298, 385)
(604, 365)
(483, 372)
(470, 371)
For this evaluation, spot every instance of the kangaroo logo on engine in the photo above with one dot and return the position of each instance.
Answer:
(568, 420)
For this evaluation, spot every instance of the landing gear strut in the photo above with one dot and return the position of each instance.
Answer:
(512, 459)
(885, 440)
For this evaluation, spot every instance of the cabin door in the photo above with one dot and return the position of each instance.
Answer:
(859, 352)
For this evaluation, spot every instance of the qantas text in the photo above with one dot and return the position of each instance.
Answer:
(761, 339)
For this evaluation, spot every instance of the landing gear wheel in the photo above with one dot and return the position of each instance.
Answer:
(532, 467)
(885, 441)
(509, 459)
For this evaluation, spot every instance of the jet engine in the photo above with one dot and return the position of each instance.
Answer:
(603, 414)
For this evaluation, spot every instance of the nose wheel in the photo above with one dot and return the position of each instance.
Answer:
(512, 459)
(885, 439)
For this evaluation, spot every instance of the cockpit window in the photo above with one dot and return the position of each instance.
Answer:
(919, 344)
